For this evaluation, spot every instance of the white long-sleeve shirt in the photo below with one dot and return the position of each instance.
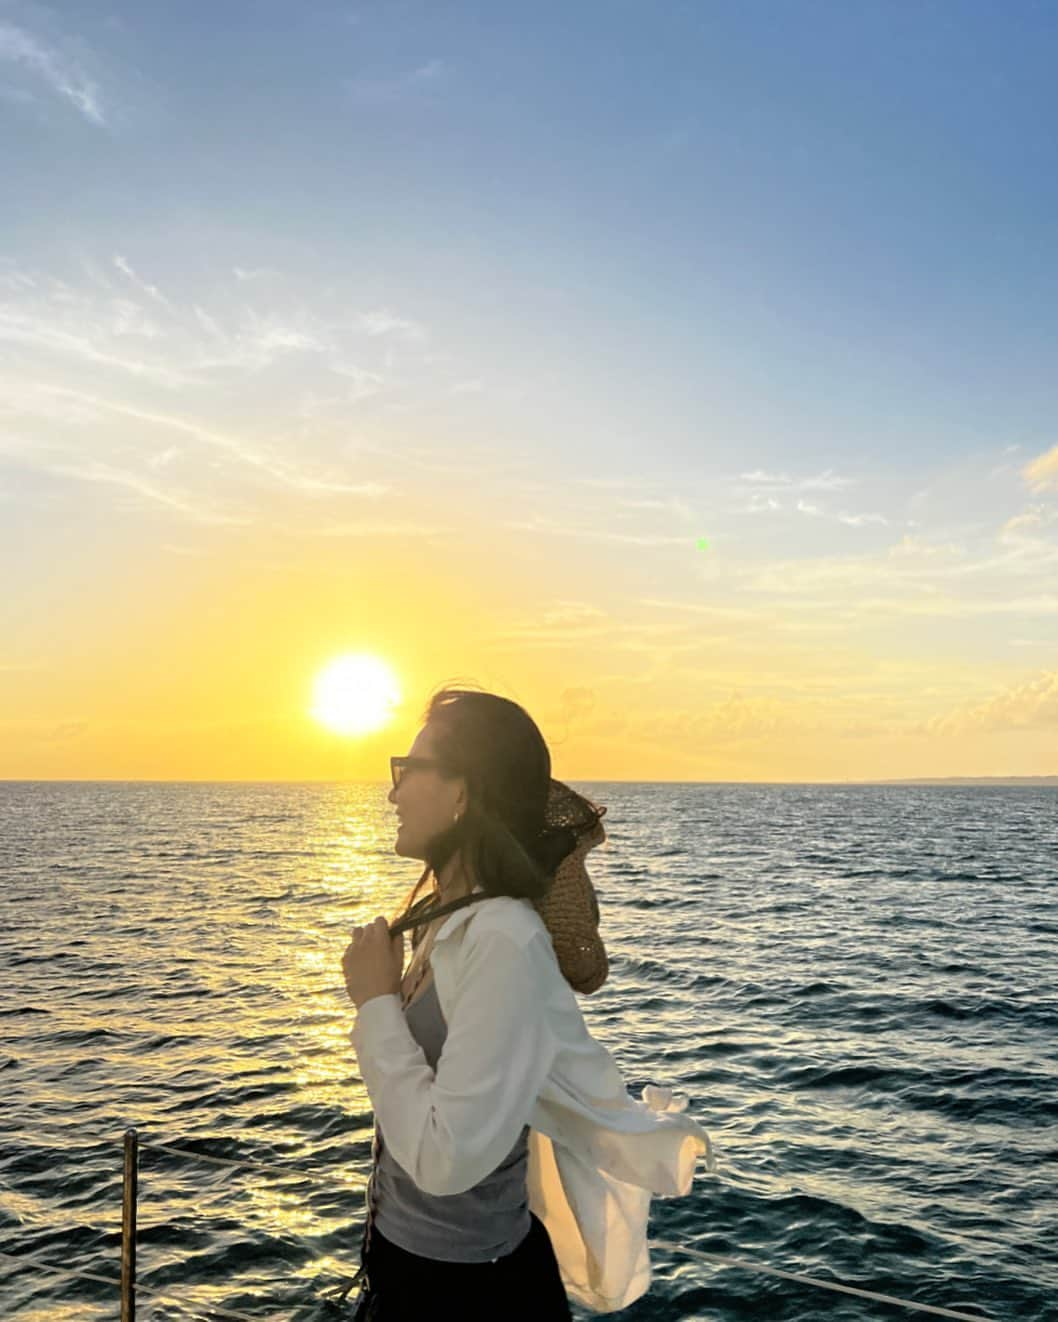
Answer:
(518, 1052)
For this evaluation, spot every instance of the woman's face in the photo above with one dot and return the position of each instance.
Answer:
(424, 800)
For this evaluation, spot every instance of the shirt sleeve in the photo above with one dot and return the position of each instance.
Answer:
(451, 1129)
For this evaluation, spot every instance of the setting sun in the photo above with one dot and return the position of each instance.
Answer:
(355, 695)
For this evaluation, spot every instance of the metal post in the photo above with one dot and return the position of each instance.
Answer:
(128, 1228)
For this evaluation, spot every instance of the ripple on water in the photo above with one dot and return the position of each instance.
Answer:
(857, 987)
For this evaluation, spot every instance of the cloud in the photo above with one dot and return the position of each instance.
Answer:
(393, 89)
(1029, 705)
(772, 479)
(181, 504)
(1028, 540)
(164, 457)
(384, 322)
(365, 528)
(734, 719)
(861, 520)
(1029, 530)
(66, 326)
(564, 624)
(613, 483)
(60, 73)
(542, 523)
(1030, 518)
(850, 520)
(1042, 472)
(152, 340)
(913, 547)
(673, 505)
(83, 408)
(828, 480)
(151, 290)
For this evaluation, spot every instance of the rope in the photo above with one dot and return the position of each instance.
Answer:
(146, 1143)
(654, 1243)
(266, 1168)
(116, 1284)
(713, 1258)
(809, 1280)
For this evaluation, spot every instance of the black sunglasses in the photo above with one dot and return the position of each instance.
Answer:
(399, 765)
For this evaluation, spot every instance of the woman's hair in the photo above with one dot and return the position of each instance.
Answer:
(496, 746)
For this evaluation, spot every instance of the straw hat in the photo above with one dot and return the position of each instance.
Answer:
(570, 908)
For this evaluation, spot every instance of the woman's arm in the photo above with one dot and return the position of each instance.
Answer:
(451, 1129)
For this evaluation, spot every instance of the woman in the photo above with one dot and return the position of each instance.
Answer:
(511, 1165)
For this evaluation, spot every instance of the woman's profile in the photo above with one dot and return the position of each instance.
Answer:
(512, 1170)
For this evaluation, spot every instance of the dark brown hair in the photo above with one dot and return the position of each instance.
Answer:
(497, 747)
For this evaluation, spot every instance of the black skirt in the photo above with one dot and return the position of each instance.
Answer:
(525, 1285)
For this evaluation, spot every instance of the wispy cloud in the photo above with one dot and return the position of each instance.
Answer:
(1042, 472)
(1029, 705)
(611, 483)
(765, 489)
(152, 291)
(828, 480)
(733, 719)
(144, 333)
(383, 322)
(63, 325)
(129, 448)
(673, 505)
(761, 505)
(543, 523)
(180, 503)
(58, 71)
(861, 520)
(366, 528)
(392, 89)
(281, 471)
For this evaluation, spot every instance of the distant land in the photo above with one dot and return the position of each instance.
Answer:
(970, 780)
(1050, 782)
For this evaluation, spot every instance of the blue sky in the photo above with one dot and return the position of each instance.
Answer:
(780, 274)
(791, 217)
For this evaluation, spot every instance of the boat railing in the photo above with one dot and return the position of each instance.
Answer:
(128, 1288)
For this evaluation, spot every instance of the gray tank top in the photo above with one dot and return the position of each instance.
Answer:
(483, 1223)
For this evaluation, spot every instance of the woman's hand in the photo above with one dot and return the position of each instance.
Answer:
(373, 962)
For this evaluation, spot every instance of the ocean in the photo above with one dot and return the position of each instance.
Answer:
(855, 986)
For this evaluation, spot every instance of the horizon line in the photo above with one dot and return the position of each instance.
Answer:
(331, 780)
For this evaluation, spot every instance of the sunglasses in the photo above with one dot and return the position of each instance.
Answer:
(398, 766)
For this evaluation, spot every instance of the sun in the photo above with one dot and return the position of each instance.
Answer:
(355, 695)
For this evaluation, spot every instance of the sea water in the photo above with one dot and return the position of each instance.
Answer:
(855, 986)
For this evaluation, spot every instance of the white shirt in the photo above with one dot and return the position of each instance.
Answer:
(518, 1052)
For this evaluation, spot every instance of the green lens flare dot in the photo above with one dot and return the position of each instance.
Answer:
(703, 545)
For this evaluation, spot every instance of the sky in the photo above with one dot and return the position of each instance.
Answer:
(685, 372)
